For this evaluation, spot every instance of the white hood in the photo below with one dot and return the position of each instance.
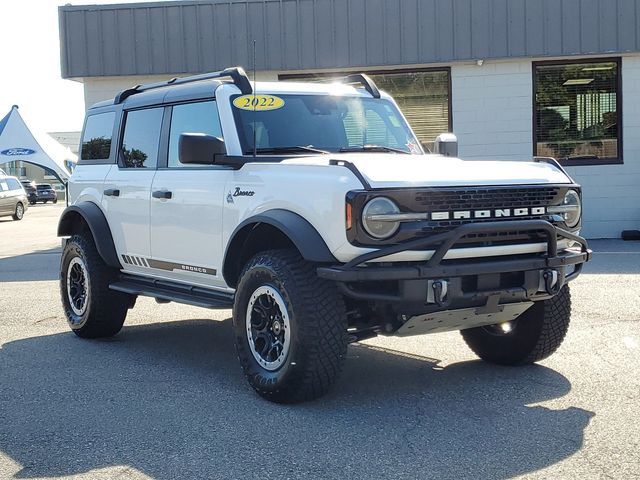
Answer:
(393, 170)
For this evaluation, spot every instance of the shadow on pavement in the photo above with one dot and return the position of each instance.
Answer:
(169, 400)
(36, 266)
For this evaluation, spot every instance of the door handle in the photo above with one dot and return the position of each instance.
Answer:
(112, 192)
(162, 194)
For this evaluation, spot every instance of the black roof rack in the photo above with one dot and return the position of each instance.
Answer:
(364, 80)
(237, 74)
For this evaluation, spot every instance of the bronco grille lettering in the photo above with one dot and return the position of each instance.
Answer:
(483, 214)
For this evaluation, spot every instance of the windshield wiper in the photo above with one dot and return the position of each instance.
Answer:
(372, 148)
(292, 149)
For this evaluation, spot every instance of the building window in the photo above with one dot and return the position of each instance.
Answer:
(577, 111)
(424, 97)
(15, 169)
(141, 138)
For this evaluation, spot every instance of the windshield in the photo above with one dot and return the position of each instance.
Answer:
(308, 123)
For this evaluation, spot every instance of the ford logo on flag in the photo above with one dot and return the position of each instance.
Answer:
(10, 152)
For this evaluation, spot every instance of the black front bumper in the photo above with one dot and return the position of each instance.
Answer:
(438, 268)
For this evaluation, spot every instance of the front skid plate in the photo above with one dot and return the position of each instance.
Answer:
(459, 319)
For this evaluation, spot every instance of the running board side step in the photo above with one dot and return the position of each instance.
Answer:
(165, 290)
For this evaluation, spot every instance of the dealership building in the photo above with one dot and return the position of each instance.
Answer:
(512, 79)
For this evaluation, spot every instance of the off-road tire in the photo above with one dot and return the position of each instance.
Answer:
(318, 328)
(536, 334)
(19, 212)
(105, 309)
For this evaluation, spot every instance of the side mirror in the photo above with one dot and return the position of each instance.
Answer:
(199, 148)
(446, 144)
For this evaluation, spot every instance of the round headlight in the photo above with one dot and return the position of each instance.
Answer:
(572, 208)
(377, 218)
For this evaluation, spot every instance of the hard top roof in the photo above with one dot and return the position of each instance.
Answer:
(201, 89)
(170, 93)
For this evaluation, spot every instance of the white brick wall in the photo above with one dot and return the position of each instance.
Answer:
(491, 107)
(492, 116)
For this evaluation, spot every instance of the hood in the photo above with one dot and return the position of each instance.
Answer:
(384, 170)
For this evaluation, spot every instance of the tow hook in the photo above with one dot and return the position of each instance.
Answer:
(551, 283)
(438, 293)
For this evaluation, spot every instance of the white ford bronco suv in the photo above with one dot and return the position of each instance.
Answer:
(312, 210)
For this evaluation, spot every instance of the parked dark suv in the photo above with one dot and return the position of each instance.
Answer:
(30, 187)
(45, 193)
(13, 198)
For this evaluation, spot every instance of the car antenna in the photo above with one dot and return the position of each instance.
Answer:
(254, 99)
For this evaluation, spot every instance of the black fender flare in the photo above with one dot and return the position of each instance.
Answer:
(98, 225)
(302, 234)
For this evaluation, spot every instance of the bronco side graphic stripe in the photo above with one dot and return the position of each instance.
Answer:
(162, 265)
(170, 266)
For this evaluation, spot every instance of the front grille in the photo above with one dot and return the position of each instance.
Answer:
(436, 199)
(483, 198)
(431, 228)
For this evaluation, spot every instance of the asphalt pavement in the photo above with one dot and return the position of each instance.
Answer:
(166, 398)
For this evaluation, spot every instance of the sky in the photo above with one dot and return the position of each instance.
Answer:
(30, 66)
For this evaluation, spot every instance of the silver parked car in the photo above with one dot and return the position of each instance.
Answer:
(13, 198)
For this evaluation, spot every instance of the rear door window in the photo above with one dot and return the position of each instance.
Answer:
(141, 138)
(96, 139)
